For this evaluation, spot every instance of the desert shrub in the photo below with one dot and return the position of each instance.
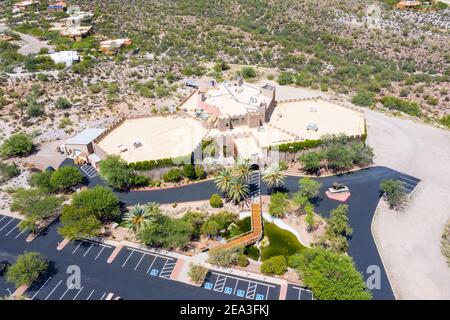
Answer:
(364, 99)
(394, 192)
(242, 260)
(63, 103)
(276, 265)
(189, 171)
(216, 201)
(19, 144)
(173, 175)
(405, 106)
(197, 273)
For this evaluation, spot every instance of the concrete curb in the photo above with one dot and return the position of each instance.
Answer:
(114, 254)
(62, 244)
(21, 290)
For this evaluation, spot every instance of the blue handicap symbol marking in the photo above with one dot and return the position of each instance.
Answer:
(154, 272)
(259, 297)
(208, 285)
(228, 290)
(240, 293)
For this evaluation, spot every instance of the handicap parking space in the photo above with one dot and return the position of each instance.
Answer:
(57, 288)
(239, 287)
(9, 228)
(149, 263)
(88, 249)
(295, 292)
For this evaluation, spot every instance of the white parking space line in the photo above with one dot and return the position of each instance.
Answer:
(235, 287)
(123, 265)
(267, 293)
(41, 288)
(12, 230)
(232, 277)
(87, 251)
(103, 248)
(65, 292)
(76, 296)
(7, 224)
(18, 235)
(53, 290)
(77, 247)
(137, 265)
(151, 253)
(90, 294)
(2, 218)
(103, 296)
(151, 265)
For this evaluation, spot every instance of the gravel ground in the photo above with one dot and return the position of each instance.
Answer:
(409, 241)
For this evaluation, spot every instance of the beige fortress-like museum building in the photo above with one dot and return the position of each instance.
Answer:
(243, 119)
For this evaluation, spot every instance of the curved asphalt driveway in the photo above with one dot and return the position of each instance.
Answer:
(364, 186)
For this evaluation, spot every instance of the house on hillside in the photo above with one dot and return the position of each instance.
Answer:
(25, 5)
(59, 6)
(66, 57)
(112, 46)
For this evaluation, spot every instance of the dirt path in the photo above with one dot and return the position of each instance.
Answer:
(409, 241)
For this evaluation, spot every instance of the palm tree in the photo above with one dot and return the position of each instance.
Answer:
(138, 217)
(273, 177)
(238, 190)
(242, 170)
(223, 180)
(152, 207)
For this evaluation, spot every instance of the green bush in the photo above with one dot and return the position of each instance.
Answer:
(173, 175)
(394, 192)
(189, 171)
(99, 201)
(63, 103)
(445, 120)
(66, 178)
(19, 144)
(242, 261)
(27, 269)
(405, 106)
(293, 147)
(197, 273)
(248, 72)
(331, 276)
(364, 99)
(216, 201)
(200, 172)
(8, 171)
(276, 265)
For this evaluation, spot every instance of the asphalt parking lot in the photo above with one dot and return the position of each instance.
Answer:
(240, 288)
(133, 274)
(9, 228)
(295, 292)
(145, 262)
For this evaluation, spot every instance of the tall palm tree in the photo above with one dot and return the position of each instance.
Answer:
(223, 180)
(273, 177)
(242, 170)
(238, 190)
(137, 218)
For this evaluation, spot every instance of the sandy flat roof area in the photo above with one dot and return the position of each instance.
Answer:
(160, 137)
(294, 117)
(235, 101)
